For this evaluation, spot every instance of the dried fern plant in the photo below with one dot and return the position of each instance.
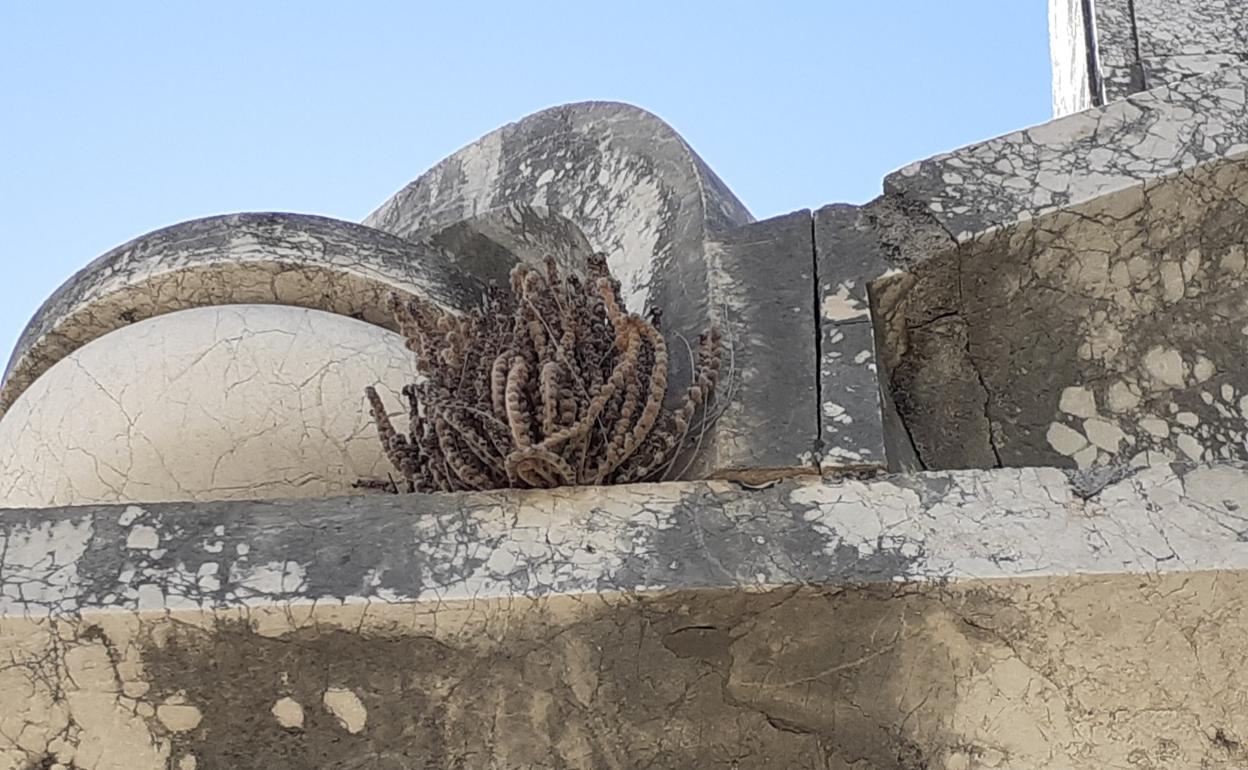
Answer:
(550, 384)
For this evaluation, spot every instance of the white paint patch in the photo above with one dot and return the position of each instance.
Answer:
(1088, 456)
(1165, 367)
(1078, 401)
(272, 578)
(1204, 369)
(129, 515)
(842, 306)
(480, 163)
(40, 566)
(1189, 446)
(1104, 434)
(178, 717)
(143, 538)
(347, 708)
(1122, 398)
(1064, 439)
(289, 713)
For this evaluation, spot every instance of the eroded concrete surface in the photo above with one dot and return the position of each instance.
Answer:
(551, 629)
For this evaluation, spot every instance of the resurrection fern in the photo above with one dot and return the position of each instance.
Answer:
(549, 384)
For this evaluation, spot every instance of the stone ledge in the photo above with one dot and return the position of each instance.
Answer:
(1001, 523)
(978, 619)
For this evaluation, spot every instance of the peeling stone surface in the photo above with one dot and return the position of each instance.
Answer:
(1085, 306)
(1140, 45)
(1086, 336)
(225, 402)
(1070, 301)
(954, 619)
(280, 259)
(1075, 159)
(936, 525)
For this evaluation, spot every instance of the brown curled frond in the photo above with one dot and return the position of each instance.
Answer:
(549, 383)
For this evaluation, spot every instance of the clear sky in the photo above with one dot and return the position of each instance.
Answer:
(121, 117)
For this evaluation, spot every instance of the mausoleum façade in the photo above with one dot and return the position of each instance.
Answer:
(975, 498)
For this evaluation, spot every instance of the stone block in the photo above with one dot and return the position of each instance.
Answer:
(854, 245)
(1111, 49)
(1085, 306)
(761, 276)
(1004, 619)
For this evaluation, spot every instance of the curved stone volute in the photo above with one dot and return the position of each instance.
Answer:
(623, 176)
(274, 258)
(487, 245)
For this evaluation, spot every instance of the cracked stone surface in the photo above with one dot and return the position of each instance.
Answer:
(224, 402)
(942, 619)
(1139, 45)
(280, 259)
(1083, 337)
(1075, 159)
(1087, 302)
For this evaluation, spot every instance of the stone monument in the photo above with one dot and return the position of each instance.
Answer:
(977, 497)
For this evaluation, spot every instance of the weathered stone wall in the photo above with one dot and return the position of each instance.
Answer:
(1109, 49)
(1004, 619)
(1073, 294)
(1067, 300)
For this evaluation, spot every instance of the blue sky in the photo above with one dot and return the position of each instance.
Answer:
(123, 117)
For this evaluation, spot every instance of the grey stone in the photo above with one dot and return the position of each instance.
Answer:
(1111, 49)
(283, 259)
(487, 245)
(630, 183)
(852, 248)
(761, 274)
(431, 548)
